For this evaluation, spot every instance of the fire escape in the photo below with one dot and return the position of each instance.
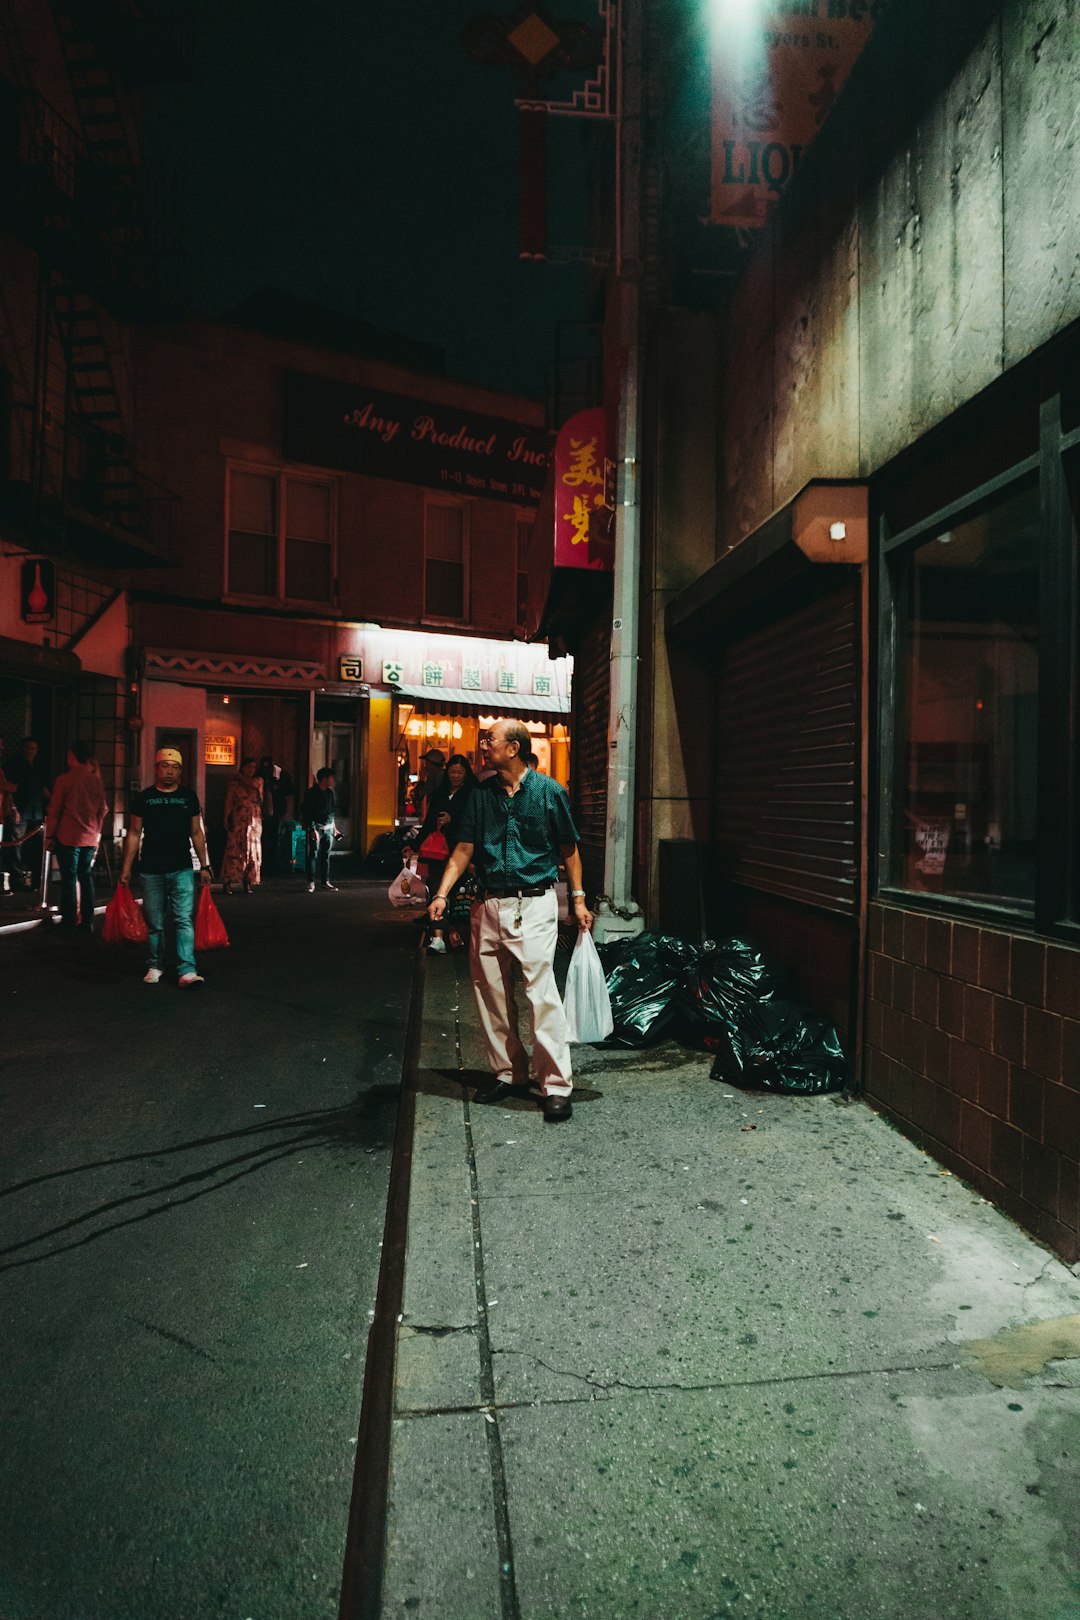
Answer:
(79, 198)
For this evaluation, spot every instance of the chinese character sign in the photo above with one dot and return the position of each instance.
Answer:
(392, 671)
(774, 84)
(471, 679)
(581, 501)
(350, 668)
(433, 674)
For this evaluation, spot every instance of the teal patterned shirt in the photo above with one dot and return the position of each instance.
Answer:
(518, 838)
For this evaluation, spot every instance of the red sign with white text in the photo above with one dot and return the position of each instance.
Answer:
(581, 499)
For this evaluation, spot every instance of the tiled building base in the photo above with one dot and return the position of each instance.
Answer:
(973, 1048)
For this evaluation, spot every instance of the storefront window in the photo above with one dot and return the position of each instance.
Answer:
(966, 734)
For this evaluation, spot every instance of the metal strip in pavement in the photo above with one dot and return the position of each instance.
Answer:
(365, 1542)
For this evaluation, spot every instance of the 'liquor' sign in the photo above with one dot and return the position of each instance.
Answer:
(364, 430)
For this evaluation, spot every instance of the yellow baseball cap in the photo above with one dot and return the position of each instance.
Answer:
(168, 756)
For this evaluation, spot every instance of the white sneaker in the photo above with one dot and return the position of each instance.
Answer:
(311, 888)
(190, 981)
(152, 976)
(437, 945)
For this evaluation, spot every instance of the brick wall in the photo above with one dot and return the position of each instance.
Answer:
(973, 1047)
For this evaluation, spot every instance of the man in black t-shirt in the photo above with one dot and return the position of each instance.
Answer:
(166, 818)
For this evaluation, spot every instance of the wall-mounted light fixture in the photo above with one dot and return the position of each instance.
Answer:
(830, 521)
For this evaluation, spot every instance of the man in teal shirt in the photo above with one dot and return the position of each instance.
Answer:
(517, 827)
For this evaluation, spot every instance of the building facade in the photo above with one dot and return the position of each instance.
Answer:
(350, 580)
(87, 255)
(859, 592)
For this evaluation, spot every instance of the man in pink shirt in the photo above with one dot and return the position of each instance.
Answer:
(73, 832)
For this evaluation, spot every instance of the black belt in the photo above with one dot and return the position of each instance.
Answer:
(524, 890)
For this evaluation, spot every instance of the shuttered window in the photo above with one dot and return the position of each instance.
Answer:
(787, 756)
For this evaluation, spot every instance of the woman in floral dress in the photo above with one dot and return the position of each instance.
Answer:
(243, 825)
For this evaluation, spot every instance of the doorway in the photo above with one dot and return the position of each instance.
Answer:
(334, 745)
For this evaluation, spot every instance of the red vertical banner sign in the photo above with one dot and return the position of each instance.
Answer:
(532, 162)
(581, 500)
(774, 82)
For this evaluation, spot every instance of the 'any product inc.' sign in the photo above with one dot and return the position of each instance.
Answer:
(364, 430)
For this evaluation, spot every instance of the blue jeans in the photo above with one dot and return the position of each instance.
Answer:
(319, 840)
(175, 890)
(76, 863)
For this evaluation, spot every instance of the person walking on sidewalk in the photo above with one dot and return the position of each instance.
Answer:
(516, 827)
(167, 820)
(73, 831)
(317, 819)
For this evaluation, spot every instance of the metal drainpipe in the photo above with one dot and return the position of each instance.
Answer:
(618, 913)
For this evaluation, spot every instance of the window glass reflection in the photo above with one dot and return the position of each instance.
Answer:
(967, 712)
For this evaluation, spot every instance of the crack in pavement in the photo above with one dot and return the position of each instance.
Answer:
(724, 1383)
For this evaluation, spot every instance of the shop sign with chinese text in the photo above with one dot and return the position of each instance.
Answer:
(581, 499)
(773, 85)
(366, 430)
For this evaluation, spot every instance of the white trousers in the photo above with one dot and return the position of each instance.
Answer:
(497, 940)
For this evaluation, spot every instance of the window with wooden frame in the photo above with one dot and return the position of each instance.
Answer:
(445, 562)
(280, 537)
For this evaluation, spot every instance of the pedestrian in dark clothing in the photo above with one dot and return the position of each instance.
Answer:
(517, 827)
(317, 819)
(167, 820)
(73, 832)
(445, 810)
(30, 799)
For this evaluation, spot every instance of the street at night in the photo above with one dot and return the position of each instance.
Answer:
(194, 1195)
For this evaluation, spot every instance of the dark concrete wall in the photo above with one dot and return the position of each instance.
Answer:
(895, 302)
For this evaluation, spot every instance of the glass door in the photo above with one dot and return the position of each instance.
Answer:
(334, 744)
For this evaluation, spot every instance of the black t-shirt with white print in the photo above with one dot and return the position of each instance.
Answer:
(166, 819)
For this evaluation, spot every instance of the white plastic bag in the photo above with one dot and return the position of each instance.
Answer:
(586, 999)
(407, 889)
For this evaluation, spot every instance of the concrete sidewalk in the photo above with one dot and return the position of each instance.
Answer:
(703, 1353)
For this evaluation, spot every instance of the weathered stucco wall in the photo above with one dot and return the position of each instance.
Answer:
(853, 334)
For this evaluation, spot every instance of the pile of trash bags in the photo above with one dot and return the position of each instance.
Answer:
(726, 998)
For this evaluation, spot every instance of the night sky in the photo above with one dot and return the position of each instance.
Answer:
(356, 155)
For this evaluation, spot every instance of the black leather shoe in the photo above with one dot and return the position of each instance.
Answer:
(502, 1091)
(556, 1108)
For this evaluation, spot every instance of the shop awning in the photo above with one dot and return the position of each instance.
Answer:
(442, 699)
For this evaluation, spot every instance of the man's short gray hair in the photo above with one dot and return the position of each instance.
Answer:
(516, 732)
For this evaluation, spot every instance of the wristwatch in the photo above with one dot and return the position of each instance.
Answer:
(577, 894)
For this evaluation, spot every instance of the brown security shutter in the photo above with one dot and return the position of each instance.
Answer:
(786, 760)
(589, 749)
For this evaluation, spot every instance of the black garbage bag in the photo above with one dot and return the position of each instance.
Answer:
(730, 978)
(779, 1046)
(383, 859)
(647, 979)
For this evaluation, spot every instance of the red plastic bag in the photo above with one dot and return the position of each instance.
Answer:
(210, 932)
(434, 848)
(124, 922)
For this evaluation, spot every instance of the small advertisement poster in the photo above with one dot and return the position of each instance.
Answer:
(774, 83)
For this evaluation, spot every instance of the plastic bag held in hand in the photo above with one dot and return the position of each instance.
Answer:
(210, 932)
(124, 922)
(586, 1000)
(407, 889)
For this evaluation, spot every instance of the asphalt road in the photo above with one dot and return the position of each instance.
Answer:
(192, 1191)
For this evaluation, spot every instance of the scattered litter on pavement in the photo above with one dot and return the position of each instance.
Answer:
(492, 1302)
(302, 1266)
(258, 1105)
(749, 1127)
(488, 1417)
(932, 1238)
(512, 1143)
(744, 1200)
